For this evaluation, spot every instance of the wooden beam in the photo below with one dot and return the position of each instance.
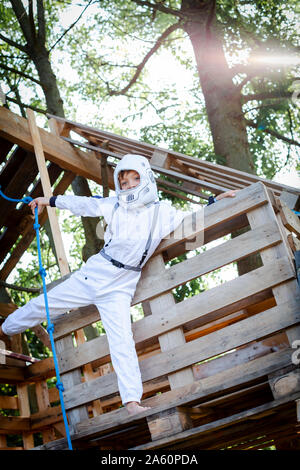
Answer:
(289, 219)
(14, 424)
(248, 243)
(11, 375)
(15, 129)
(40, 158)
(195, 225)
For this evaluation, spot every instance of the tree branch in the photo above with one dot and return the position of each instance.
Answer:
(18, 72)
(140, 67)
(31, 19)
(38, 110)
(71, 26)
(23, 19)
(41, 21)
(160, 7)
(273, 133)
(33, 290)
(266, 96)
(13, 43)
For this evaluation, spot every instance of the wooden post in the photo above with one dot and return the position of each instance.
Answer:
(40, 158)
(72, 378)
(42, 395)
(160, 158)
(28, 442)
(164, 424)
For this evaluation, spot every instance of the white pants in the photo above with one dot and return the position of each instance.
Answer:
(106, 290)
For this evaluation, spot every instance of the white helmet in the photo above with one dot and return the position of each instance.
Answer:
(145, 192)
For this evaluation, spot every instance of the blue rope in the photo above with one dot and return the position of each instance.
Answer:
(50, 326)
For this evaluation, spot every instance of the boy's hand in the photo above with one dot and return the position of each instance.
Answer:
(40, 203)
(231, 193)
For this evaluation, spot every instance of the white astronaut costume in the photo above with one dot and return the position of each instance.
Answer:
(109, 278)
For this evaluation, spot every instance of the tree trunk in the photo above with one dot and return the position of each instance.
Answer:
(222, 97)
(48, 81)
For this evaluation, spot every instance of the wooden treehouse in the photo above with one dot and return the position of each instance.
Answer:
(220, 369)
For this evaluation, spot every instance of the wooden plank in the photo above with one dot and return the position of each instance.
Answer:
(71, 378)
(290, 220)
(79, 318)
(218, 342)
(14, 424)
(46, 417)
(10, 403)
(160, 158)
(41, 370)
(215, 214)
(156, 168)
(15, 129)
(40, 158)
(82, 317)
(284, 383)
(240, 356)
(11, 375)
(226, 253)
(290, 200)
(5, 147)
(201, 308)
(168, 422)
(44, 406)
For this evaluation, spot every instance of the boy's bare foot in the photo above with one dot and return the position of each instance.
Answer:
(133, 408)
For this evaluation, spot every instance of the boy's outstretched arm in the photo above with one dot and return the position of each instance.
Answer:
(230, 193)
(78, 205)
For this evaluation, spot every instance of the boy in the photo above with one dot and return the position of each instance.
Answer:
(137, 222)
